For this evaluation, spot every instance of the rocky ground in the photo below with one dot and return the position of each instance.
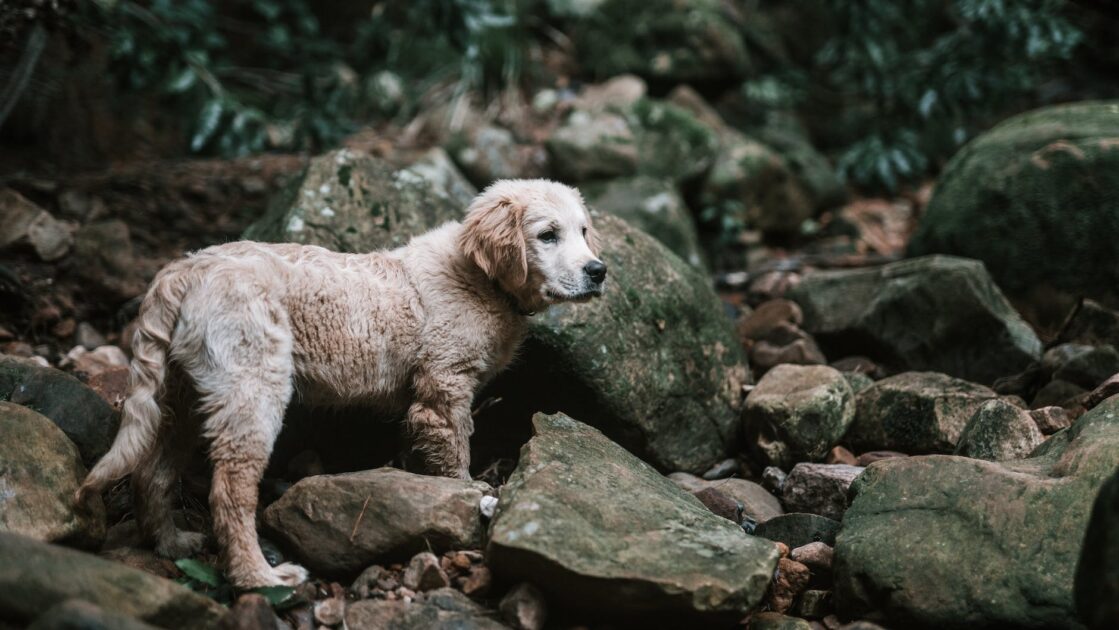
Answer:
(823, 433)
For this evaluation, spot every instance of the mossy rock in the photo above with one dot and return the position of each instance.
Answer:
(655, 206)
(671, 143)
(1036, 198)
(350, 201)
(654, 363)
(950, 542)
(1097, 574)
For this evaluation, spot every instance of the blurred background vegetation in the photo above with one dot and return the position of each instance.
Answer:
(887, 89)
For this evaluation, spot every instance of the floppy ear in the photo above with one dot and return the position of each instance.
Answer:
(493, 238)
(593, 241)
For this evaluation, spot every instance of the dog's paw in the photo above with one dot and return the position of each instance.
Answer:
(290, 574)
(181, 545)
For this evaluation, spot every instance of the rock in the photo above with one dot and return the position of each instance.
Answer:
(40, 470)
(798, 351)
(654, 363)
(340, 524)
(1049, 420)
(858, 381)
(524, 608)
(999, 431)
(680, 42)
(145, 560)
(840, 455)
(478, 583)
(671, 143)
(796, 413)
(1097, 572)
(774, 479)
(799, 529)
(330, 611)
(915, 412)
(1004, 199)
(1057, 393)
(91, 363)
(868, 458)
(757, 502)
(81, 414)
(819, 488)
(1106, 390)
(1090, 368)
(251, 612)
(720, 504)
(112, 386)
(1020, 524)
(367, 581)
(722, 470)
(424, 573)
(814, 604)
(444, 608)
(777, 621)
(103, 263)
(488, 153)
(88, 337)
(789, 582)
(75, 614)
(350, 201)
(652, 205)
(1091, 323)
(599, 530)
(35, 576)
(618, 93)
(937, 313)
(768, 316)
(588, 146)
(436, 167)
(817, 556)
(26, 223)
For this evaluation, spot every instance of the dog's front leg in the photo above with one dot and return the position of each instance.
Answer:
(440, 423)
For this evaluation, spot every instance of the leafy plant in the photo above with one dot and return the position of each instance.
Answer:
(201, 577)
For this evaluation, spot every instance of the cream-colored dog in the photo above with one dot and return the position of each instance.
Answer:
(413, 331)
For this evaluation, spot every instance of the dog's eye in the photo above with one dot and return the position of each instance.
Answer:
(548, 237)
(584, 230)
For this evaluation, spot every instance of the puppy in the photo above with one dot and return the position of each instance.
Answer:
(413, 331)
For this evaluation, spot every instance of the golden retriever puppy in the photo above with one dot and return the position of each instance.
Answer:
(413, 331)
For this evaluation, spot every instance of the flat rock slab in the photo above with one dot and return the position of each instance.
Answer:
(341, 524)
(601, 531)
(952, 542)
(34, 576)
(937, 313)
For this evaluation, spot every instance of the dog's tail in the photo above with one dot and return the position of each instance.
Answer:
(141, 415)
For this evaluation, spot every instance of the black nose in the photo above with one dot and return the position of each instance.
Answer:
(596, 270)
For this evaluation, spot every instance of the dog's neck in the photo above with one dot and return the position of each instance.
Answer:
(516, 303)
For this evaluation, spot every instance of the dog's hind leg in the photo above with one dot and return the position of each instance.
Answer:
(152, 486)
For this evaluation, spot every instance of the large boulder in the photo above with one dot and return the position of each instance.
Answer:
(35, 576)
(654, 363)
(797, 412)
(953, 542)
(1007, 198)
(937, 313)
(82, 415)
(915, 412)
(602, 532)
(653, 205)
(341, 524)
(1097, 574)
(350, 201)
(39, 473)
(690, 40)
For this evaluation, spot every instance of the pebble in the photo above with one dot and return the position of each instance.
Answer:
(488, 505)
(817, 556)
(720, 504)
(1051, 419)
(789, 581)
(424, 573)
(819, 488)
(773, 479)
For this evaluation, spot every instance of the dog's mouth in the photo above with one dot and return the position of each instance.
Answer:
(582, 296)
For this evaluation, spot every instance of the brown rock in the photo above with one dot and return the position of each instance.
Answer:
(791, 579)
(771, 285)
(144, 560)
(524, 608)
(817, 556)
(720, 504)
(424, 573)
(868, 458)
(478, 582)
(757, 502)
(1106, 390)
(767, 317)
(1051, 419)
(330, 612)
(251, 612)
(111, 385)
(765, 354)
(819, 488)
(840, 455)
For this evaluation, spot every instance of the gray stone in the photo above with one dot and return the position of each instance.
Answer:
(757, 502)
(798, 529)
(27, 224)
(436, 167)
(654, 206)
(937, 313)
(444, 609)
(1020, 524)
(777, 621)
(1090, 368)
(423, 573)
(488, 153)
(35, 576)
(599, 530)
(915, 413)
(75, 614)
(999, 431)
(341, 524)
(819, 488)
(1097, 573)
(40, 471)
(796, 413)
(593, 145)
(1049, 420)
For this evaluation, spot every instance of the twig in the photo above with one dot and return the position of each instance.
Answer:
(359, 517)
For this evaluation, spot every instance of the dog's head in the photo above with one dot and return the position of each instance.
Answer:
(536, 240)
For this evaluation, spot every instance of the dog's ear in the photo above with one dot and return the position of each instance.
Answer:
(493, 237)
(593, 240)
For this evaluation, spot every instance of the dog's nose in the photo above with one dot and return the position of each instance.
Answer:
(596, 270)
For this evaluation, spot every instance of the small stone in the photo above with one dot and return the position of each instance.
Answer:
(720, 504)
(461, 560)
(817, 556)
(782, 549)
(424, 573)
(1107, 389)
(112, 385)
(368, 580)
(773, 478)
(868, 458)
(767, 316)
(819, 488)
(757, 503)
(1051, 419)
(788, 583)
(330, 612)
(478, 583)
(524, 607)
(1057, 392)
(999, 431)
(487, 505)
(840, 455)
(771, 285)
(726, 468)
(798, 529)
(766, 354)
(776, 621)
(814, 604)
(91, 362)
(831, 622)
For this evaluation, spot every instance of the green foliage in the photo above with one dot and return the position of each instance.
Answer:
(919, 78)
(205, 579)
